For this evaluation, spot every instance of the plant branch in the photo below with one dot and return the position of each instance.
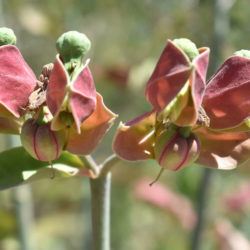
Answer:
(108, 164)
(100, 200)
(90, 163)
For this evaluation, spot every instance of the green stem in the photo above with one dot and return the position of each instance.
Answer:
(100, 206)
(108, 164)
(100, 200)
(90, 163)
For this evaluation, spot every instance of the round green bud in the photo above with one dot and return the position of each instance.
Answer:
(7, 36)
(188, 47)
(72, 45)
(243, 53)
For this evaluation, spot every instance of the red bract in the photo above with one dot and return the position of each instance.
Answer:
(77, 95)
(17, 82)
(172, 72)
(92, 129)
(224, 143)
(226, 100)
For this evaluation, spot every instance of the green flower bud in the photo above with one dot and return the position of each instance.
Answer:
(41, 142)
(72, 47)
(188, 47)
(7, 36)
(243, 53)
(174, 151)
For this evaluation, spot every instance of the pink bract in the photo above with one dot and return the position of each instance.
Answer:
(76, 95)
(171, 73)
(17, 82)
(92, 129)
(226, 100)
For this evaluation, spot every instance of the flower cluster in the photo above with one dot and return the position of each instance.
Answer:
(191, 120)
(60, 110)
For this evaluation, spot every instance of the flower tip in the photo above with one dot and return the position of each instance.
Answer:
(243, 53)
(188, 47)
(72, 44)
(7, 36)
(122, 126)
(112, 119)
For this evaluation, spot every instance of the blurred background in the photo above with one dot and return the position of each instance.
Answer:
(127, 38)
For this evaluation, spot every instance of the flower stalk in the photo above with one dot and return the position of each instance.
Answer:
(100, 207)
(100, 188)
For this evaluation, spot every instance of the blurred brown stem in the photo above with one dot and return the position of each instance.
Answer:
(203, 199)
(221, 26)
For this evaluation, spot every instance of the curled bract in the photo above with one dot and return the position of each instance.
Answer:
(92, 129)
(71, 91)
(226, 100)
(17, 82)
(77, 97)
(177, 84)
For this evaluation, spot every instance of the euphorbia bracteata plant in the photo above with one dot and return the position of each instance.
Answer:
(60, 117)
(191, 121)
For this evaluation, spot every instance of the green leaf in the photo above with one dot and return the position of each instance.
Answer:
(18, 167)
